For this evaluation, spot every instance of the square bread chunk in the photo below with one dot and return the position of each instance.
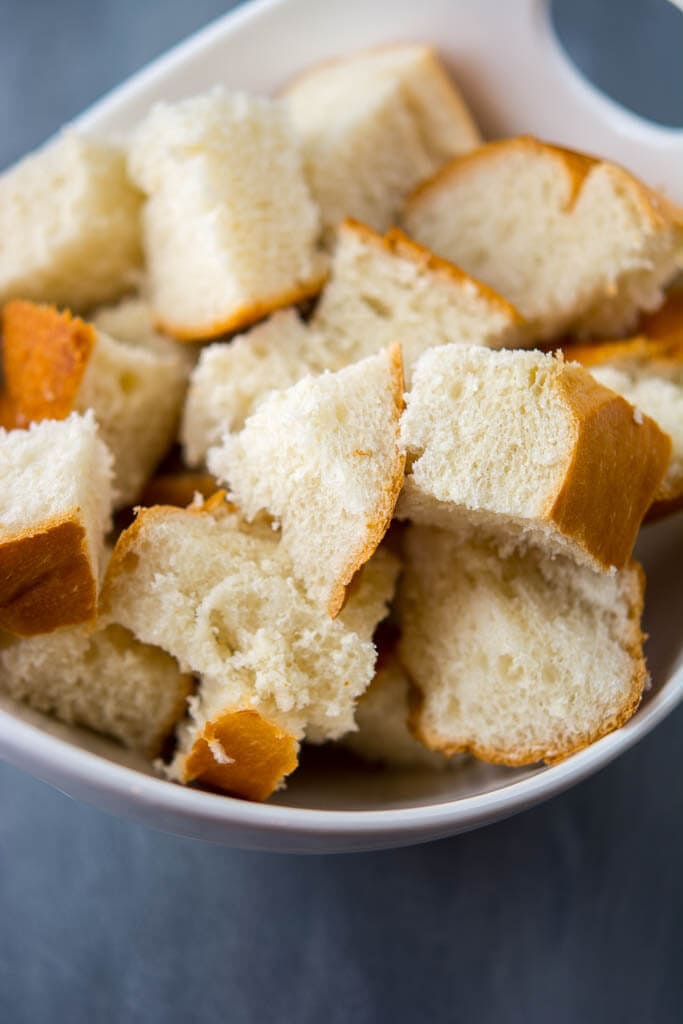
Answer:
(648, 373)
(232, 378)
(55, 507)
(69, 224)
(528, 448)
(384, 289)
(322, 459)
(54, 364)
(220, 596)
(375, 124)
(230, 228)
(576, 243)
(517, 659)
(105, 680)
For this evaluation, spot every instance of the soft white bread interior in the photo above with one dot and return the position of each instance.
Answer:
(577, 244)
(104, 680)
(375, 124)
(230, 229)
(383, 736)
(69, 224)
(55, 508)
(220, 596)
(322, 459)
(648, 372)
(517, 659)
(54, 363)
(387, 288)
(230, 379)
(132, 321)
(528, 448)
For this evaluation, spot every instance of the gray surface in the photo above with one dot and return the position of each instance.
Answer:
(571, 913)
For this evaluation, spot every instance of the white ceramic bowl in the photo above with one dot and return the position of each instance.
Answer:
(517, 80)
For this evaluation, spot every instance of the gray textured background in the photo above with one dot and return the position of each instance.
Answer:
(570, 913)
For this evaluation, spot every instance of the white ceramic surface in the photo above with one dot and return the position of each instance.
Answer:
(517, 80)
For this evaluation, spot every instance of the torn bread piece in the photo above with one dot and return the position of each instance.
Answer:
(529, 449)
(375, 124)
(54, 364)
(517, 659)
(220, 596)
(648, 373)
(230, 229)
(387, 288)
(322, 459)
(232, 378)
(383, 735)
(576, 243)
(105, 680)
(55, 508)
(69, 224)
(132, 321)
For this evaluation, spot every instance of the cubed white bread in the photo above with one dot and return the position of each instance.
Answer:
(648, 373)
(531, 449)
(387, 288)
(576, 243)
(232, 378)
(375, 124)
(131, 321)
(54, 363)
(519, 659)
(383, 736)
(322, 459)
(69, 224)
(230, 229)
(221, 598)
(104, 680)
(55, 508)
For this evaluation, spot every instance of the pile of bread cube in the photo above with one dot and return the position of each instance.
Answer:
(325, 421)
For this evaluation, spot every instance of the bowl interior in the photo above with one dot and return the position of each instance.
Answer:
(516, 81)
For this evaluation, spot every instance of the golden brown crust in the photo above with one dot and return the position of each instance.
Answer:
(663, 351)
(259, 755)
(46, 578)
(396, 243)
(658, 210)
(177, 489)
(667, 322)
(45, 355)
(550, 753)
(616, 467)
(379, 524)
(243, 316)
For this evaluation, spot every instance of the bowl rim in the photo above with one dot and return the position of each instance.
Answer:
(42, 753)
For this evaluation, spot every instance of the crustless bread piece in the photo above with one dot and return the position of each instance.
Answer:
(387, 288)
(322, 459)
(517, 659)
(221, 597)
(375, 124)
(54, 364)
(230, 379)
(69, 224)
(104, 679)
(648, 373)
(528, 448)
(230, 229)
(55, 506)
(383, 736)
(577, 244)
